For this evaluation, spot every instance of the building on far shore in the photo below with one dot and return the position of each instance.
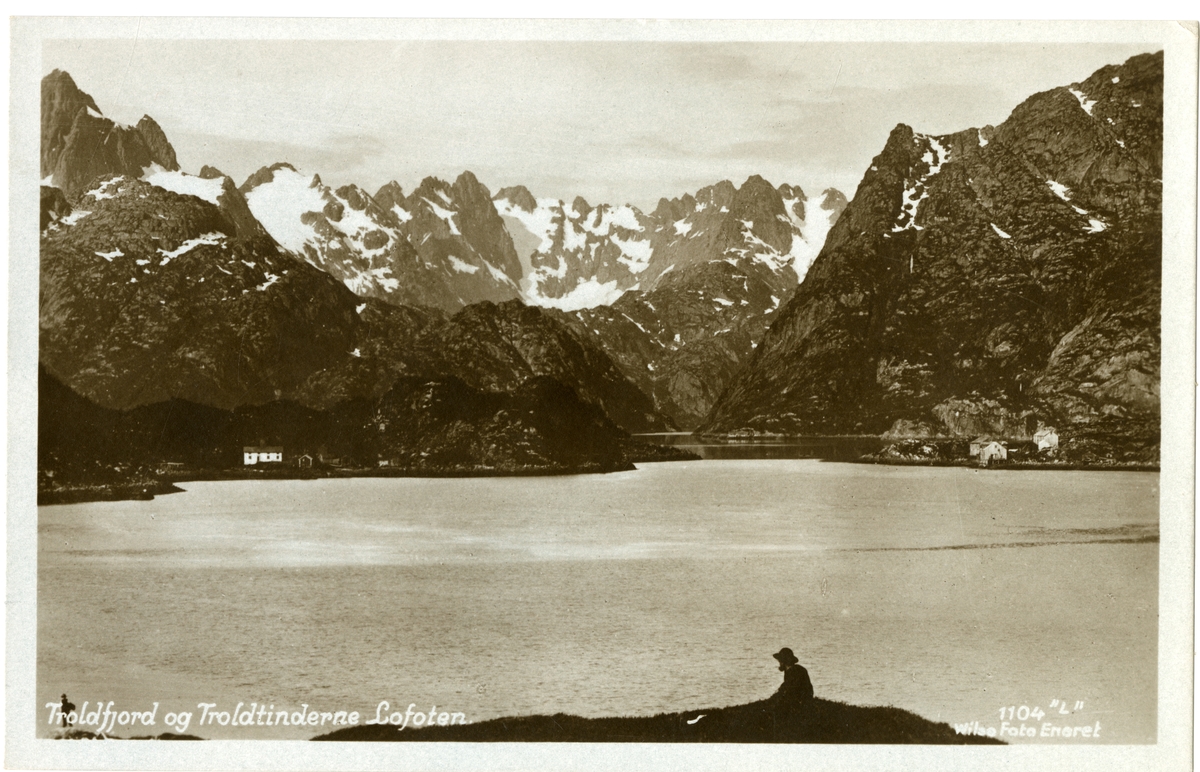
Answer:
(988, 450)
(978, 444)
(262, 454)
(992, 453)
(1046, 439)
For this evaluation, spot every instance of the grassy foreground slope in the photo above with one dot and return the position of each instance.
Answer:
(825, 722)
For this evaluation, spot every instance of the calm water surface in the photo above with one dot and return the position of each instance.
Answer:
(946, 591)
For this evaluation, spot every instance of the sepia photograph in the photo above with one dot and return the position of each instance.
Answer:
(809, 389)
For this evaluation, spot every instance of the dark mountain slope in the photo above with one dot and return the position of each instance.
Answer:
(147, 294)
(683, 340)
(498, 346)
(989, 280)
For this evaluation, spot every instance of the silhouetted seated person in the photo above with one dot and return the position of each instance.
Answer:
(796, 690)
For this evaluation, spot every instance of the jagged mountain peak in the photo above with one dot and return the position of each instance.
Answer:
(65, 96)
(431, 183)
(265, 174)
(467, 179)
(833, 200)
(390, 194)
(755, 183)
(580, 208)
(792, 191)
(443, 245)
(519, 196)
(355, 196)
(79, 144)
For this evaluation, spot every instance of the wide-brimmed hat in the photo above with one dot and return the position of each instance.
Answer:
(785, 656)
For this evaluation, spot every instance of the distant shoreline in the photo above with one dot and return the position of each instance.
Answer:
(1012, 466)
(166, 483)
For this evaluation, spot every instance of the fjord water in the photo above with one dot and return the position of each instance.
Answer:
(949, 592)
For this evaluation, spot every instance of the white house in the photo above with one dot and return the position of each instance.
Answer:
(978, 444)
(1046, 438)
(991, 452)
(261, 455)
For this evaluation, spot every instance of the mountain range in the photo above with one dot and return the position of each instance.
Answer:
(433, 253)
(995, 280)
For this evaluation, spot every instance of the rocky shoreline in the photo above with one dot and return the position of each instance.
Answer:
(1091, 453)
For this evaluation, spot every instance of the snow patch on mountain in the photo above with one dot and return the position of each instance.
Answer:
(383, 277)
(540, 222)
(184, 184)
(1084, 102)
(270, 279)
(102, 192)
(915, 191)
(808, 235)
(280, 204)
(460, 266)
(588, 293)
(211, 239)
(500, 276)
(635, 253)
(445, 215)
(1060, 190)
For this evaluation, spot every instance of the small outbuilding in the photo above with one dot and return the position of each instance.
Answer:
(305, 461)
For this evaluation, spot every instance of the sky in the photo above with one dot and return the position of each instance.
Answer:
(615, 122)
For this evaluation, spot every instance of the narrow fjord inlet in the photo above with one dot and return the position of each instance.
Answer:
(463, 463)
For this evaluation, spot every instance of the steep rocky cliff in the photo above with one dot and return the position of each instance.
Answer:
(989, 280)
(80, 144)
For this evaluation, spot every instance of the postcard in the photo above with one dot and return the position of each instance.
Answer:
(626, 394)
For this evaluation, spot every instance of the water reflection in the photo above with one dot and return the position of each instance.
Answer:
(825, 448)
